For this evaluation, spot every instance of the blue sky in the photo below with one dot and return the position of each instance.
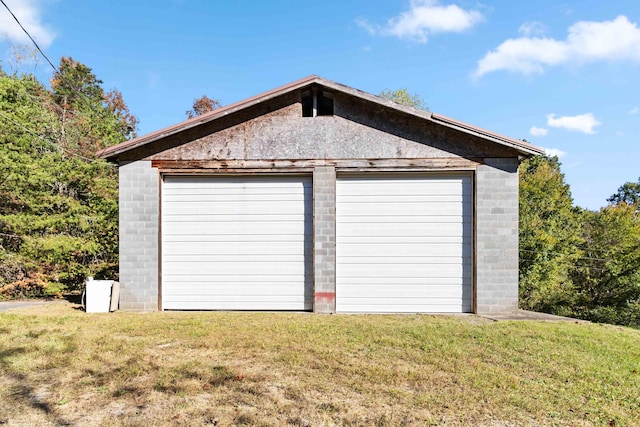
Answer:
(561, 74)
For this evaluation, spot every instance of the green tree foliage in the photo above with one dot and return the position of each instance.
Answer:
(202, 105)
(402, 96)
(577, 262)
(608, 277)
(58, 203)
(75, 85)
(91, 118)
(549, 237)
(628, 193)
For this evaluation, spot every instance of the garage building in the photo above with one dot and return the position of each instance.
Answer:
(319, 197)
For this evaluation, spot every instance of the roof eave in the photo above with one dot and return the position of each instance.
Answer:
(522, 147)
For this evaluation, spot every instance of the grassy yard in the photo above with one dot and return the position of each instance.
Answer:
(59, 365)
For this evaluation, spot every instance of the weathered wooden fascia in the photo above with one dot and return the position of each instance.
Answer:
(452, 163)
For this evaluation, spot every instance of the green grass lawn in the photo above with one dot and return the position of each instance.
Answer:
(59, 365)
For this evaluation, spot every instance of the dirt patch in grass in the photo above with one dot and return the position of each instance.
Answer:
(59, 366)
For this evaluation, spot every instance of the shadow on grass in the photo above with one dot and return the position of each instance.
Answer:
(76, 299)
(24, 392)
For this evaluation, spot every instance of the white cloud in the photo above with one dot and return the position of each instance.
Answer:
(581, 123)
(363, 23)
(554, 152)
(532, 28)
(426, 17)
(587, 41)
(634, 110)
(28, 12)
(536, 131)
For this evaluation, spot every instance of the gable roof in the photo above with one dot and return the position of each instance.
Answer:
(523, 147)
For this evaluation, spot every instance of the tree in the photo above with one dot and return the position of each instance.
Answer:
(402, 96)
(202, 105)
(628, 193)
(575, 262)
(74, 84)
(128, 123)
(549, 237)
(58, 203)
(90, 118)
(608, 276)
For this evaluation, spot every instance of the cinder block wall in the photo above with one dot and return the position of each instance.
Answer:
(497, 235)
(139, 210)
(324, 239)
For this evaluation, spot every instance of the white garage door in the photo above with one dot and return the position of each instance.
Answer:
(404, 243)
(236, 243)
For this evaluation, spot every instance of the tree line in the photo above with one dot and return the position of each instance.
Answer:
(573, 261)
(59, 204)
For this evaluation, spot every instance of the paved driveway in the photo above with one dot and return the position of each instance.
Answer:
(10, 305)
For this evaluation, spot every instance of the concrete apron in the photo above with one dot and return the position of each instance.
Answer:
(530, 315)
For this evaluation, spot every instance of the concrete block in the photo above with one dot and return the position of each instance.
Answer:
(324, 211)
(496, 235)
(139, 207)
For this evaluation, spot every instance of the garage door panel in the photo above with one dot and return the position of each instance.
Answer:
(404, 243)
(422, 281)
(249, 291)
(238, 267)
(267, 207)
(400, 231)
(240, 243)
(393, 259)
(201, 228)
(406, 221)
(232, 279)
(412, 241)
(232, 238)
(250, 261)
(234, 248)
(416, 290)
(264, 300)
(237, 218)
(393, 250)
(409, 187)
(247, 258)
(219, 197)
(196, 304)
(402, 210)
(382, 306)
(395, 198)
(233, 184)
(402, 270)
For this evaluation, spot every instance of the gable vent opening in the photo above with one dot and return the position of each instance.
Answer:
(316, 102)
